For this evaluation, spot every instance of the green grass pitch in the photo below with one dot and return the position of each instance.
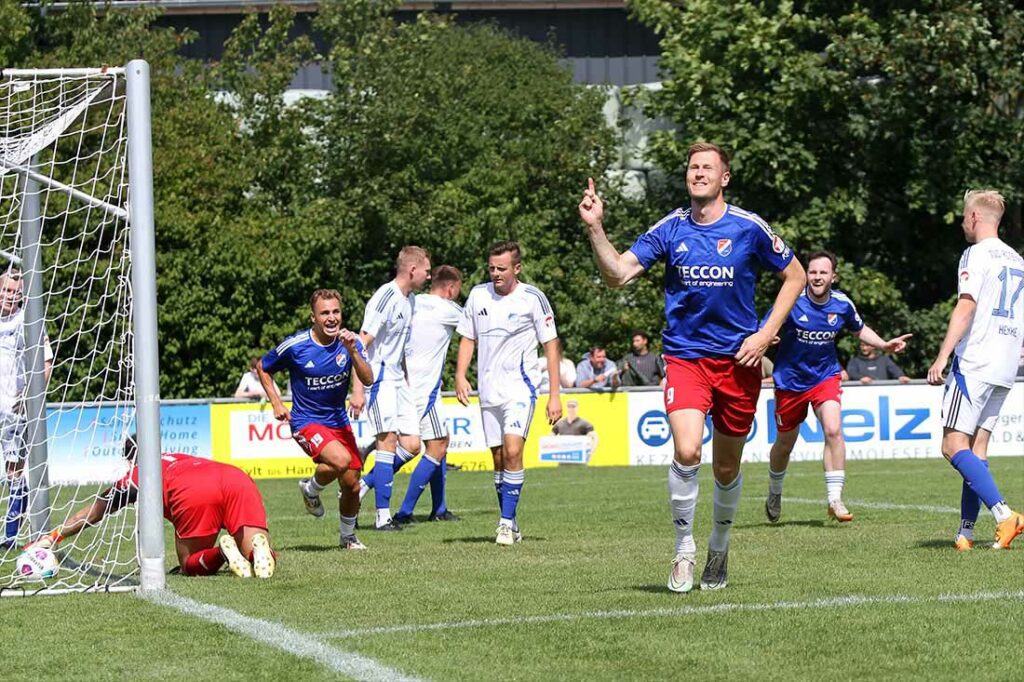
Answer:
(583, 597)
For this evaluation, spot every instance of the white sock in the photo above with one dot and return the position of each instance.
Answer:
(403, 455)
(313, 489)
(348, 525)
(683, 488)
(834, 481)
(383, 517)
(363, 489)
(1001, 511)
(433, 461)
(723, 511)
(775, 479)
(383, 456)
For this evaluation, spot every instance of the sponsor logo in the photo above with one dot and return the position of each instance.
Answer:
(682, 248)
(964, 275)
(816, 337)
(549, 320)
(724, 247)
(309, 365)
(653, 428)
(482, 312)
(802, 318)
(832, 317)
(706, 275)
(329, 381)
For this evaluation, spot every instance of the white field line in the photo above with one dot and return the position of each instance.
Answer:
(825, 603)
(281, 637)
(886, 506)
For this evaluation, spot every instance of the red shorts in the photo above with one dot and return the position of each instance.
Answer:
(214, 497)
(313, 438)
(791, 406)
(717, 385)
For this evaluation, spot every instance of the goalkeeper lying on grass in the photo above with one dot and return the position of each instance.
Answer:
(200, 498)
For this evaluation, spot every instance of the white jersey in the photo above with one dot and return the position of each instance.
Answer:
(993, 275)
(388, 319)
(12, 361)
(507, 330)
(433, 322)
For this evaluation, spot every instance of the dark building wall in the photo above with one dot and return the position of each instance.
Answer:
(601, 45)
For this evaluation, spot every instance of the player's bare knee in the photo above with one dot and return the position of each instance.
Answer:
(833, 434)
(726, 472)
(688, 454)
(387, 441)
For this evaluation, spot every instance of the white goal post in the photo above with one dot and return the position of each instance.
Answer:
(78, 323)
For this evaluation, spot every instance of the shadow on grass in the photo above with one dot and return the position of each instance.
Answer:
(809, 523)
(488, 539)
(660, 588)
(935, 543)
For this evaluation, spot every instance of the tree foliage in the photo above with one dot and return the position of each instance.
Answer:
(855, 126)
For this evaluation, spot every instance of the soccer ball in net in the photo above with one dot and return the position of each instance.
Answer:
(37, 563)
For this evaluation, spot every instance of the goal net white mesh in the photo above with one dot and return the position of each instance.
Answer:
(63, 149)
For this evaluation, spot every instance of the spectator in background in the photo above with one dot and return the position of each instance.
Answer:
(871, 365)
(566, 371)
(249, 385)
(572, 424)
(642, 367)
(597, 371)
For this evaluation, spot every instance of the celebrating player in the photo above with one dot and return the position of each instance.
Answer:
(384, 332)
(435, 318)
(200, 498)
(713, 347)
(807, 372)
(508, 318)
(985, 333)
(320, 362)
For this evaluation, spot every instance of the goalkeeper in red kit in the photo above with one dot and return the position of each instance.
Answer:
(201, 497)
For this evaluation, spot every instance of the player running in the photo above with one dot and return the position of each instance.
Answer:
(385, 331)
(807, 372)
(435, 318)
(713, 347)
(200, 498)
(985, 333)
(507, 318)
(320, 362)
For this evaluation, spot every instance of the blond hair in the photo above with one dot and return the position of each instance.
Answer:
(410, 256)
(988, 202)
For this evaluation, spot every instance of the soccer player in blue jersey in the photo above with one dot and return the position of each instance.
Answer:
(807, 372)
(984, 336)
(387, 320)
(321, 362)
(713, 347)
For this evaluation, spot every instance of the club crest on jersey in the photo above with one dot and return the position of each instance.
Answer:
(340, 359)
(832, 317)
(964, 275)
(549, 320)
(778, 246)
(724, 247)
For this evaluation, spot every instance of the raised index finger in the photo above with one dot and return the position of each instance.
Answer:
(590, 185)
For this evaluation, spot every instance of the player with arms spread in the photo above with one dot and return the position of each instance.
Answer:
(200, 498)
(807, 372)
(385, 330)
(712, 345)
(320, 362)
(507, 318)
(986, 330)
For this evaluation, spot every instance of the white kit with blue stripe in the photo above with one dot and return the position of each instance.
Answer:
(434, 319)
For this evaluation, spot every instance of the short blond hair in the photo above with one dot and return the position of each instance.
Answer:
(986, 201)
(410, 256)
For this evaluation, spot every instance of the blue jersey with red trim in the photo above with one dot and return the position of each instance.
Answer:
(319, 378)
(710, 274)
(807, 347)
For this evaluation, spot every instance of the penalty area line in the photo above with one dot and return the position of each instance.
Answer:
(711, 609)
(280, 637)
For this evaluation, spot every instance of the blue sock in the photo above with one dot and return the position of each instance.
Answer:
(977, 476)
(970, 505)
(419, 480)
(384, 477)
(438, 505)
(369, 479)
(16, 498)
(402, 457)
(511, 488)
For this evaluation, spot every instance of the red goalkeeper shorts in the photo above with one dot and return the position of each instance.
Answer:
(213, 497)
(717, 385)
(791, 406)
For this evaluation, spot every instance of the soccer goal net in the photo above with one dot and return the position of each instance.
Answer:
(68, 370)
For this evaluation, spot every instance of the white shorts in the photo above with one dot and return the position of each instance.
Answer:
(426, 420)
(969, 404)
(389, 401)
(12, 438)
(512, 418)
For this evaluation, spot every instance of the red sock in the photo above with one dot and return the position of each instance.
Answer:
(203, 562)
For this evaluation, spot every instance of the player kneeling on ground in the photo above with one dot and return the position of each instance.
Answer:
(200, 498)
